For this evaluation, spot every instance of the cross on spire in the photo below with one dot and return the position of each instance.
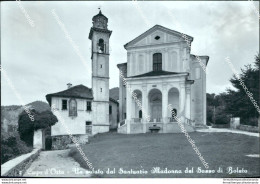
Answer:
(99, 7)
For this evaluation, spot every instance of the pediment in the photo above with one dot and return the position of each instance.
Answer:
(157, 35)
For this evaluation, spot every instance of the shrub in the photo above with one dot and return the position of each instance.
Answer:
(26, 127)
(209, 115)
(12, 146)
(221, 119)
(250, 121)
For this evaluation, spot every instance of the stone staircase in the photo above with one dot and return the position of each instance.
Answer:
(201, 126)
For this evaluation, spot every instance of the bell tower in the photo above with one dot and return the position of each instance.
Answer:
(99, 35)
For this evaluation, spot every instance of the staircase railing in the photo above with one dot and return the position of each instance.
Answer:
(189, 122)
(172, 119)
(122, 123)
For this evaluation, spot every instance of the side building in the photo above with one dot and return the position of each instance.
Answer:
(74, 106)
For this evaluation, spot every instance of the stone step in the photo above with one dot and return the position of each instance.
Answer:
(200, 126)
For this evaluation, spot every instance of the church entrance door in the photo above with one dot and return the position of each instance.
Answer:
(156, 111)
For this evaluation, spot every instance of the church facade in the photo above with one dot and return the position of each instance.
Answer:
(86, 111)
(160, 71)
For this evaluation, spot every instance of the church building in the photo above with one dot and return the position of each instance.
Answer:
(161, 71)
(87, 111)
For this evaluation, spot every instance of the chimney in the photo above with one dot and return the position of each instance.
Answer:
(69, 85)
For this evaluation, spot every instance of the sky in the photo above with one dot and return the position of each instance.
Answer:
(40, 59)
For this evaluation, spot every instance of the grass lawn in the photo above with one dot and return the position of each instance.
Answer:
(171, 151)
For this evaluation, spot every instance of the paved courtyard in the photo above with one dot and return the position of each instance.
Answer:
(229, 130)
(55, 164)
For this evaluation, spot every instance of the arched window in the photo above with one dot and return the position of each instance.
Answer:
(72, 107)
(140, 114)
(157, 62)
(174, 113)
(101, 46)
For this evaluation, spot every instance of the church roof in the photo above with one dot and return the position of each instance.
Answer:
(79, 91)
(157, 73)
(204, 57)
(156, 27)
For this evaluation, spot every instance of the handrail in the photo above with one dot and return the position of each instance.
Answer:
(121, 123)
(172, 119)
(158, 119)
(189, 122)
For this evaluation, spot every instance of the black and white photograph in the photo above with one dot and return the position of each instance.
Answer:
(130, 89)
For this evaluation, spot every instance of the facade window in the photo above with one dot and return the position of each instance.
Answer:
(64, 104)
(89, 106)
(100, 66)
(72, 107)
(124, 115)
(100, 89)
(140, 114)
(88, 127)
(88, 123)
(110, 109)
(157, 62)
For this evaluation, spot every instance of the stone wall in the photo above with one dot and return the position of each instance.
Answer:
(17, 166)
(136, 128)
(175, 128)
(234, 122)
(64, 141)
(220, 125)
(122, 129)
(249, 128)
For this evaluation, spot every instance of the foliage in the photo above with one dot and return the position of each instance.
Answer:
(12, 146)
(239, 102)
(236, 102)
(250, 121)
(222, 119)
(210, 114)
(26, 127)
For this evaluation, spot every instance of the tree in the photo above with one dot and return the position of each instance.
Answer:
(216, 108)
(26, 127)
(12, 146)
(239, 102)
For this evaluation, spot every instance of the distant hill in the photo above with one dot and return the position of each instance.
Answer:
(39, 106)
(114, 93)
(10, 114)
